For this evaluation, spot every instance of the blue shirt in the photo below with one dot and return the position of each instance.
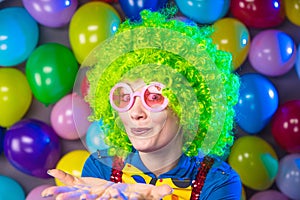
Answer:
(221, 182)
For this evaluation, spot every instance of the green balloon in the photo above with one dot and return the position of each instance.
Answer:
(51, 71)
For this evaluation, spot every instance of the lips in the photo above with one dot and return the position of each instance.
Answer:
(140, 131)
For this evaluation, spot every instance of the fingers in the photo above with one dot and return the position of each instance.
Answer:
(161, 191)
(64, 177)
(55, 190)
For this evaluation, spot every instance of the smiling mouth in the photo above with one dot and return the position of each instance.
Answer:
(140, 131)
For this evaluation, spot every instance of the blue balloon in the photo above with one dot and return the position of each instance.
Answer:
(2, 130)
(95, 137)
(10, 189)
(19, 35)
(257, 103)
(204, 11)
(132, 8)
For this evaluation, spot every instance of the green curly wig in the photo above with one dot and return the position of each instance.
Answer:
(200, 85)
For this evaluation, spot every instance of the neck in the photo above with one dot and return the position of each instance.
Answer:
(164, 159)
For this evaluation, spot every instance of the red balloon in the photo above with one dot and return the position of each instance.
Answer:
(85, 86)
(286, 126)
(258, 13)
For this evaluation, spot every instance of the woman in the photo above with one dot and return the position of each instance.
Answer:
(169, 118)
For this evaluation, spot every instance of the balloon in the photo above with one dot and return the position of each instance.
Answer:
(255, 161)
(257, 13)
(204, 11)
(1, 139)
(10, 189)
(243, 195)
(292, 11)
(286, 126)
(69, 117)
(84, 87)
(269, 194)
(272, 52)
(15, 96)
(132, 9)
(55, 13)
(35, 193)
(91, 24)
(257, 103)
(231, 35)
(32, 147)
(19, 35)
(297, 65)
(72, 163)
(288, 178)
(51, 71)
(95, 137)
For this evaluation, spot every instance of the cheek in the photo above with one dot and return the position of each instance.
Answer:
(159, 118)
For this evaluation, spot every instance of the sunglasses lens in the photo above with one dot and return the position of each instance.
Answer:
(153, 96)
(121, 97)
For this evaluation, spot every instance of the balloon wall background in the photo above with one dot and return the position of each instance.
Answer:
(43, 43)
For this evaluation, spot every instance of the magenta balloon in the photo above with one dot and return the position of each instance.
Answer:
(286, 126)
(272, 52)
(54, 13)
(35, 193)
(269, 194)
(69, 117)
(288, 177)
(32, 147)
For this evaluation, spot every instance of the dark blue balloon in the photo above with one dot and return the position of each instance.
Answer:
(132, 8)
(2, 130)
(258, 101)
(32, 146)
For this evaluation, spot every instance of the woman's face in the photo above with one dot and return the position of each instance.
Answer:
(148, 131)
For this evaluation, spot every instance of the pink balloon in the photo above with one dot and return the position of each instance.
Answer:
(272, 52)
(269, 194)
(35, 193)
(54, 13)
(69, 117)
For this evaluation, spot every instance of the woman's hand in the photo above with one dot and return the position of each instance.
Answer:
(77, 188)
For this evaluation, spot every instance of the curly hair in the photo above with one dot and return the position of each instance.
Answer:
(200, 85)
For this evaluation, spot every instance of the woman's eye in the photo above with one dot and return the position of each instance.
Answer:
(155, 97)
(125, 97)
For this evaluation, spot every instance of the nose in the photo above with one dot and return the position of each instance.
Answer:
(138, 111)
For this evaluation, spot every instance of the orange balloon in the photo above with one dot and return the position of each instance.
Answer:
(91, 24)
(232, 36)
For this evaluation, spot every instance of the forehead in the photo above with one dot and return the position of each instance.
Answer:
(136, 85)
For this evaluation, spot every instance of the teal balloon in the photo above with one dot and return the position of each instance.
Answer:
(51, 71)
(19, 34)
(95, 137)
(203, 11)
(257, 103)
(10, 189)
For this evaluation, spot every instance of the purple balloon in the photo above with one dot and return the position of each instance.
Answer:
(2, 130)
(54, 13)
(288, 177)
(269, 194)
(32, 147)
(272, 52)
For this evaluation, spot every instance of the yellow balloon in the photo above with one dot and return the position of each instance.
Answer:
(292, 11)
(232, 36)
(91, 24)
(72, 163)
(15, 96)
(255, 161)
(243, 196)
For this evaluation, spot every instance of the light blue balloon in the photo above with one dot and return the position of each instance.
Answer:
(203, 11)
(19, 35)
(95, 137)
(10, 189)
(257, 103)
(288, 178)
